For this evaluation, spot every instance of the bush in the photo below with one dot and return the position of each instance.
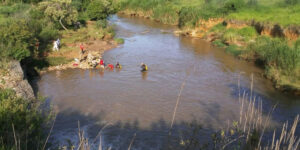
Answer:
(119, 40)
(48, 33)
(101, 24)
(24, 118)
(98, 9)
(15, 39)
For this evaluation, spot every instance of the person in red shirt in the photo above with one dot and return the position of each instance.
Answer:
(81, 48)
(101, 62)
(110, 66)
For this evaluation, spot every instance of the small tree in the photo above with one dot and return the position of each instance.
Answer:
(59, 11)
(15, 37)
(99, 9)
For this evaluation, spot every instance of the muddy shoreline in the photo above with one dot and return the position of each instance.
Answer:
(94, 49)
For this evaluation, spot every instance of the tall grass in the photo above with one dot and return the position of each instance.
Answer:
(189, 12)
(275, 52)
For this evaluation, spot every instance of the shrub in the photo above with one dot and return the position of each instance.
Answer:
(22, 118)
(101, 23)
(119, 40)
(98, 9)
(48, 33)
(15, 39)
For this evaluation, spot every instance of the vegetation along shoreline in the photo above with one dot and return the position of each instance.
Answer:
(249, 30)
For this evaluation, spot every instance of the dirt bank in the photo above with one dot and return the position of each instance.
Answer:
(95, 41)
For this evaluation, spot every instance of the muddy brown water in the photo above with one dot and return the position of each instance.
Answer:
(143, 103)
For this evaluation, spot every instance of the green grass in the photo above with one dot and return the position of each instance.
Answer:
(234, 50)
(188, 12)
(219, 43)
(119, 40)
(281, 60)
(55, 61)
(282, 15)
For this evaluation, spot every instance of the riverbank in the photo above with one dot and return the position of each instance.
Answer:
(239, 35)
(95, 40)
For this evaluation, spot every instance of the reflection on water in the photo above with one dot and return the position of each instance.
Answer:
(143, 103)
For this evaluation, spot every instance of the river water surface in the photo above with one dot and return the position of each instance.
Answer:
(143, 103)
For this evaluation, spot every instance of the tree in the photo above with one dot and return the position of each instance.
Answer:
(59, 11)
(15, 37)
(99, 9)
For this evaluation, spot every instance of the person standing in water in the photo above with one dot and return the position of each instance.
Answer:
(101, 63)
(144, 67)
(118, 65)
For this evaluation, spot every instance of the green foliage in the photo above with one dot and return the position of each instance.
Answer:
(234, 50)
(233, 5)
(230, 35)
(277, 53)
(218, 28)
(99, 9)
(26, 119)
(188, 16)
(243, 34)
(218, 43)
(15, 39)
(101, 24)
(248, 32)
(48, 33)
(166, 15)
(292, 2)
(119, 40)
(59, 11)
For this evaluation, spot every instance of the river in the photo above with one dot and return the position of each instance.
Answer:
(143, 103)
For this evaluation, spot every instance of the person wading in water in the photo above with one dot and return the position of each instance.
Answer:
(144, 67)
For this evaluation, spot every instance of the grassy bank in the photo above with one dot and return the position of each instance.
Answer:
(239, 26)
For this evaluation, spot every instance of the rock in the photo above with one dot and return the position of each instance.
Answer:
(16, 71)
(16, 81)
(24, 90)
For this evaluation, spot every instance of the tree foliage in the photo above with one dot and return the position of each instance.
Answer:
(15, 39)
(100, 9)
(22, 118)
(59, 11)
